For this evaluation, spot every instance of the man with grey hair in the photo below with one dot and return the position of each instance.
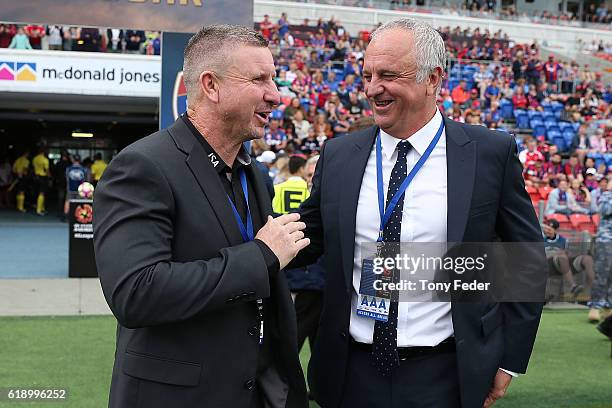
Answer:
(412, 178)
(188, 255)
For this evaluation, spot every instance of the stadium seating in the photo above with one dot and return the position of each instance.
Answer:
(506, 109)
(582, 222)
(534, 194)
(522, 120)
(544, 192)
(562, 219)
(596, 219)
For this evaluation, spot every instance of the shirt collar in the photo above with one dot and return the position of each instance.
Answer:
(419, 140)
(242, 159)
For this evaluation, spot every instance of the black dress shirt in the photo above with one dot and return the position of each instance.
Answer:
(230, 178)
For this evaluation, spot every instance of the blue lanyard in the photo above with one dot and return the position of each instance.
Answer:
(245, 230)
(385, 215)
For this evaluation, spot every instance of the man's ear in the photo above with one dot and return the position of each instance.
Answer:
(434, 81)
(209, 86)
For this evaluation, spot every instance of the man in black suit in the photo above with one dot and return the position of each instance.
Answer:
(469, 189)
(187, 252)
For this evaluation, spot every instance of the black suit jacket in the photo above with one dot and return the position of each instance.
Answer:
(487, 201)
(183, 285)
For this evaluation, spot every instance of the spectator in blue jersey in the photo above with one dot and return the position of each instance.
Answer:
(275, 136)
(76, 174)
(492, 93)
(283, 25)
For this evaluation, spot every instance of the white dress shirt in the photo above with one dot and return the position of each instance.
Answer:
(423, 220)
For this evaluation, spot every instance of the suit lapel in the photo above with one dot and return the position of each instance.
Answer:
(353, 165)
(207, 179)
(461, 168)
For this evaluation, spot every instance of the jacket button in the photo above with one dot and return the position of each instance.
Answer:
(249, 385)
(253, 330)
(343, 335)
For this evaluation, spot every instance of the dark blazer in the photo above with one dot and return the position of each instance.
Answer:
(183, 285)
(487, 201)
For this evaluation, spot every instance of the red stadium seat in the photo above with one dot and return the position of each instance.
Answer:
(534, 194)
(562, 219)
(545, 191)
(582, 222)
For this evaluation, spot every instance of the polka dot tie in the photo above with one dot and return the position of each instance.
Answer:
(384, 343)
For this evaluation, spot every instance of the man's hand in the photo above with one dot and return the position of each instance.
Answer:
(284, 236)
(501, 382)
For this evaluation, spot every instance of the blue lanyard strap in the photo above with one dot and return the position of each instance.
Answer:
(245, 230)
(385, 215)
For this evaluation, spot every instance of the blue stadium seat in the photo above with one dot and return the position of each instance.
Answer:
(557, 110)
(556, 105)
(559, 142)
(548, 116)
(576, 126)
(600, 161)
(533, 114)
(536, 122)
(550, 123)
(506, 109)
(554, 128)
(598, 157)
(522, 121)
(539, 130)
(565, 125)
(452, 84)
(608, 157)
(568, 134)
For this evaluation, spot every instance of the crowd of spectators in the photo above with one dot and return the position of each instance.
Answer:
(66, 38)
(491, 81)
(594, 14)
(558, 108)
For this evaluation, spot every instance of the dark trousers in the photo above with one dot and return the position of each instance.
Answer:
(308, 305)
(420, 382)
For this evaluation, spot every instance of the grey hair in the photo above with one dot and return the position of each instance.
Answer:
(429, 48)
(209, 50)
